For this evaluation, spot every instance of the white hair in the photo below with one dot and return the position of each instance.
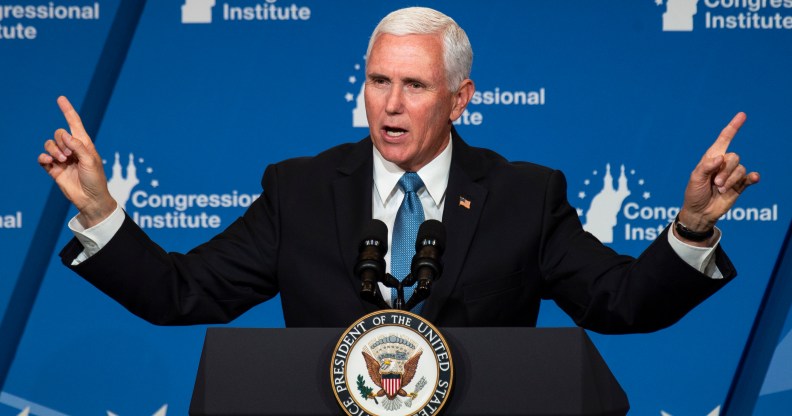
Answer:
(457, 52)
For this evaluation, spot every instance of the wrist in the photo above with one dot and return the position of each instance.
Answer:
(96, 213)
(699, 233)
(695, 223)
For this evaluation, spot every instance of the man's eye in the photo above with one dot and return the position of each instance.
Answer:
(379, 81)
(416, 85)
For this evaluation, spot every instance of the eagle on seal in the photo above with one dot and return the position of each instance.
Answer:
(391, 383)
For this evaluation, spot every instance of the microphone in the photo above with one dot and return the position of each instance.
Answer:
(426, 265)
(370, 266)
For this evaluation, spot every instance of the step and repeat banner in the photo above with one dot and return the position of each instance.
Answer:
(624, 96)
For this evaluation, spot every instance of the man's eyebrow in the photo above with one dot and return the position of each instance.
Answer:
(373, 75)
(410, 80)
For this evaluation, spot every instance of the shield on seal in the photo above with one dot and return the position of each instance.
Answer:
(391, 383)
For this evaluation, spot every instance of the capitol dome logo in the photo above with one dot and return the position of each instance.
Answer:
(120, 185)
(605, 206)
(601, 217)
(615, 205)
(678, 16)
(197, 11)
(150, 208)
(356, 94)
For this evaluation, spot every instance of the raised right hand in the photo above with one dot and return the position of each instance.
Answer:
(71, 159)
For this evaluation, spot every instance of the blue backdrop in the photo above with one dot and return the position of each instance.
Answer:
(628, 91)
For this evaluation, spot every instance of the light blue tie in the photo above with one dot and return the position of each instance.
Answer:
(405, 231)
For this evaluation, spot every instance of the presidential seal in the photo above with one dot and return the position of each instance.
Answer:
(391, 362)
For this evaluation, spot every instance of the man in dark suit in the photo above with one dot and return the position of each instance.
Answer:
(512, 236)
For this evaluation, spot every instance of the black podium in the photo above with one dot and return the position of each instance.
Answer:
(497, 371)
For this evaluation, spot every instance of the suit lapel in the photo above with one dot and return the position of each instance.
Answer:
(352, 203)
(464, 202)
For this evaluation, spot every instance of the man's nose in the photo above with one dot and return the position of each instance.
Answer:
(394, 103)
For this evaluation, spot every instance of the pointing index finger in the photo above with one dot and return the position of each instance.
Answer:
(727, 134)
(72, 118)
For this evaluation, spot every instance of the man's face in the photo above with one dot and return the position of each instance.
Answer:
(408, 105)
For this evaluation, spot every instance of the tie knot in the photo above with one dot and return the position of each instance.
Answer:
(410, 182)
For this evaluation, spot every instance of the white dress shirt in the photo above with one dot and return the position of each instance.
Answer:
(387, 195)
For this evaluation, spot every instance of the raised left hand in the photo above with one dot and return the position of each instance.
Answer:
(716, 182)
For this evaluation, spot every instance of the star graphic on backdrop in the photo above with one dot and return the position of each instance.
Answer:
(586, 182)
(353, 79)
(632, 171)
(641, 181)
(594, 172)
(579, 211)
(659, 2)
(154, 183)
(582, 195)
(149, 170)
(140, 159)
(646, 195)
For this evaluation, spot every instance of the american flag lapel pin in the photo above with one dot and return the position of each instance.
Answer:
(464, 202)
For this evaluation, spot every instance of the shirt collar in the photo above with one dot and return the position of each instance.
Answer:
(434, 175)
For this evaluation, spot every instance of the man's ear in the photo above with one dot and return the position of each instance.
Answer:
(462, 97)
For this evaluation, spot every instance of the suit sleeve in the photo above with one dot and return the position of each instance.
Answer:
(213, 283)
(611, 293)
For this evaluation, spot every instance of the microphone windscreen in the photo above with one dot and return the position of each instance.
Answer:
(375, 231)
(431, 230)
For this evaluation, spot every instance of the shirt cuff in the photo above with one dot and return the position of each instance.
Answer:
(96, 237)
(700, 258)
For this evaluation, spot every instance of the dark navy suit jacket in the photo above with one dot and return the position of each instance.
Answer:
(518, 242)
